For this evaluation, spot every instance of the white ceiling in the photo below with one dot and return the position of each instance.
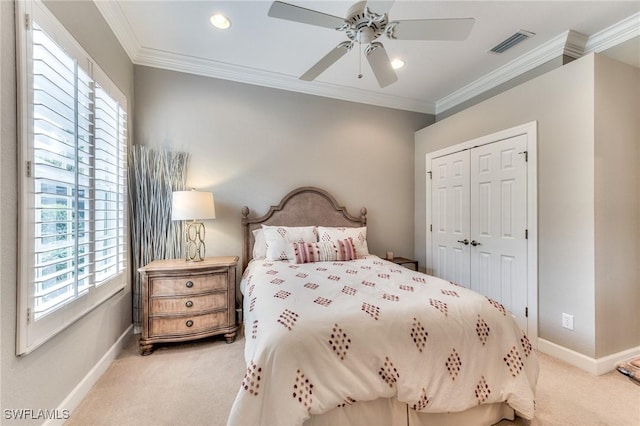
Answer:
(438, 75)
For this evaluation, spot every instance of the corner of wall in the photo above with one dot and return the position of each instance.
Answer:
(8, 175)
(596, 366)
(617, 206)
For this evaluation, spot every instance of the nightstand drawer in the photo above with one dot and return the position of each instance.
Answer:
(186, 325)
(188, 304)
(187, 285)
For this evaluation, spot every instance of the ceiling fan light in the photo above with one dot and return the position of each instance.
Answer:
(220, 21)
(397, 63)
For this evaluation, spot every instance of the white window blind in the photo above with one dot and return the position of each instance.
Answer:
(73, 225)
(110, 180)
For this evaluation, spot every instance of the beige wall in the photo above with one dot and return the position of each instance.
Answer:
(42, 379)
(251, 145)
(7, 130)
(563, 104)
(617, 153)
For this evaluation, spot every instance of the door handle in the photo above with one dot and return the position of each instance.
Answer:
(465, 241)
(475, 243)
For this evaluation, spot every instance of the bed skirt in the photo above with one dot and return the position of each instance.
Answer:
(389, 411)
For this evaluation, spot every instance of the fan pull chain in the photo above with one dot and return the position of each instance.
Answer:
(360, 60)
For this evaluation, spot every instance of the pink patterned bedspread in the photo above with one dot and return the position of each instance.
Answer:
(320, 336)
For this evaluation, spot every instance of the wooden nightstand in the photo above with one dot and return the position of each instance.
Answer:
(188, 300)
(404, 261)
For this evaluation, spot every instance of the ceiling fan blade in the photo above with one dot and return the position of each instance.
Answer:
(380, 6)
(306, 16)
(328, 60)
(380, 64)
(430, 29)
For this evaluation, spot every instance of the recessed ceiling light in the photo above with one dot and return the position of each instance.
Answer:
(397, 63)
(220, 21)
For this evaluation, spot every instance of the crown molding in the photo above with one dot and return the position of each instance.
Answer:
(618, 33)
(120, 26)
(205, 67)
(575, 44)
(570, 43)
(139, 55)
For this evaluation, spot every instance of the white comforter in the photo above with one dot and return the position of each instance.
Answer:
(323, 335)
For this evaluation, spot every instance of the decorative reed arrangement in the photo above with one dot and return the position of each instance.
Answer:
(154, 175)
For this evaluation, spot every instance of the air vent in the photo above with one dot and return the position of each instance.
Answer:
(512, 41)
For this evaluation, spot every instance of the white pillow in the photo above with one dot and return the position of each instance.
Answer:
(279, 238)
(358, 235)
(259, 245)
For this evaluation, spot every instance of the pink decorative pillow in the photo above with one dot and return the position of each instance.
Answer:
(324, 251)
(346, 249)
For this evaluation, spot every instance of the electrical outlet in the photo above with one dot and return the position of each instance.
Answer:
(567, 321)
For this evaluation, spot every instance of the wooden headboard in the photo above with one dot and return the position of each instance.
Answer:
(305, 206)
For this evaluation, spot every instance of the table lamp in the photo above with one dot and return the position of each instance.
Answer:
(193, 206)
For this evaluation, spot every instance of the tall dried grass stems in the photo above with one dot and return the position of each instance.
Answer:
(154, 175)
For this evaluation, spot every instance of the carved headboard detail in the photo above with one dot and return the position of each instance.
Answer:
(305, 206)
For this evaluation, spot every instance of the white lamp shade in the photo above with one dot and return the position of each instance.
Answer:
(192, 205)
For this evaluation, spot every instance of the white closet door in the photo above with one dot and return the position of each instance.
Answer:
(498, 223)
(450, 212)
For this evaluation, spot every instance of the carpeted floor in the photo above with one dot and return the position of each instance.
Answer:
(196, 383)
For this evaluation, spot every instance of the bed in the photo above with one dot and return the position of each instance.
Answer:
(342, 337)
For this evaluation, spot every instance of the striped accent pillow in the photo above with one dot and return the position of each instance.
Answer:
(346, 249)
(324, 251)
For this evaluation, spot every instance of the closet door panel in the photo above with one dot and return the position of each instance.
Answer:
(498, 223)
(450, 213)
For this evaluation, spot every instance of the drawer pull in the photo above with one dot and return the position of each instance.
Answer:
(188, 304)
(189, 284)
(189, 323)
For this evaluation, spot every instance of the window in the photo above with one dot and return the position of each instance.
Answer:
(73, 227)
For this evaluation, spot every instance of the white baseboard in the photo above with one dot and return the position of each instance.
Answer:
(80, 391)
(596, 366)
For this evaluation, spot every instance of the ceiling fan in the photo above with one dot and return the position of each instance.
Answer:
(363, 26)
